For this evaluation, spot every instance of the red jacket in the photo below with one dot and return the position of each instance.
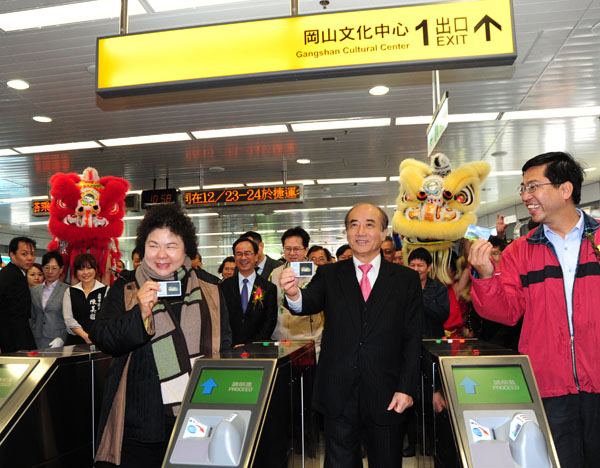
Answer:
(530, 281)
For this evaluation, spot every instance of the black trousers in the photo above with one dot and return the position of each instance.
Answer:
(344, 433)
(574, 421)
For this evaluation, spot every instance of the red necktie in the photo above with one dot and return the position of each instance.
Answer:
(365, 284)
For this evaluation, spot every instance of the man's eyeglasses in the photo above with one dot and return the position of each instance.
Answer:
(244, 254)
(293, 249)
(532, 187)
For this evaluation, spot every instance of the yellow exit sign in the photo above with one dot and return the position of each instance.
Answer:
(431, 36)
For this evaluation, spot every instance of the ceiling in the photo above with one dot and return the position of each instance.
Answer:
(558, 66)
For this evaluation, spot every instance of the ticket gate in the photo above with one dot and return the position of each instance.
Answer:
(49, 406)
(250, 408)
(494, 417)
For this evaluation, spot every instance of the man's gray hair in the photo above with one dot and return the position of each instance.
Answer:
(383, 214)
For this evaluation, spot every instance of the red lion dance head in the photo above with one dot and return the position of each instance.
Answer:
(86, 216)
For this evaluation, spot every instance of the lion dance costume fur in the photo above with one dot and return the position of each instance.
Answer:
(435, 207)
(86, 216)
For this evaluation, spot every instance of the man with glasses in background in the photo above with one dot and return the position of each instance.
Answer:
(250, 298)
(551, 278)
(293, 327)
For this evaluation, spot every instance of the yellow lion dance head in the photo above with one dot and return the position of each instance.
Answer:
(436, 205)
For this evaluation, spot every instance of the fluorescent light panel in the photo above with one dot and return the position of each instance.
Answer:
(169, 5)
(66, 14)
(504, 173)
(258, 184)
(356, 180)
(58, 147)
(23, 199)
(479, 117)
(202, 215)
(217, 186)
(8, 152)
(553, 113)
(302, 181)
(143, 140)
(240, 131)
(340, 124)
(416, 120)
(215, 234)
(37, 223)
(300, 210)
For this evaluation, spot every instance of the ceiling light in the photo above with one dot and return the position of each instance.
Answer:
(479, 117)
(356, 180)
(8, 152)
(589, 169)
(340, 124)
(23, 199)
(202, 215)
(17, 84)
(215, 234)
(341, 228)
(218, 186)
(214, 256)
(379, 90)
(260, 184)
(340, 208)
(128, 238)
(42, 119)
(417, 120)
(208, 246)
(553, 113)
(132, 218)
(302, 181)
(58, 147)
(134, 191)
(65, 14)
(394, 178)
(391, 206)
(168, 5)
(142, 140)
(239, 233)
(37, 223)
(299, 210)
(240, 131)
(504, 173)
(303, 161)
(192, 187)
(216, 169)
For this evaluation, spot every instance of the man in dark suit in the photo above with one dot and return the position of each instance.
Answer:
(15, 300)
(368, 368)
(264, 264)
(251, 300)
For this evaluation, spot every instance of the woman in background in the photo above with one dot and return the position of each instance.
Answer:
(35, 275)
(82, 302)
(47, 322)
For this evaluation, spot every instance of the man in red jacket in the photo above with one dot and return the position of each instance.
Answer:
(551, 278)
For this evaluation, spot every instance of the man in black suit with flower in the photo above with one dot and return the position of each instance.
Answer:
(251, 300)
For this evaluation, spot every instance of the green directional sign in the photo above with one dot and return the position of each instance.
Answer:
(490, 384)
(228, 386)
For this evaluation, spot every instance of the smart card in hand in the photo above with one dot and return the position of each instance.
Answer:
(478, 232)
(303, 269)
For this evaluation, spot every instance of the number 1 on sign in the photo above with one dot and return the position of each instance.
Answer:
(423, 25)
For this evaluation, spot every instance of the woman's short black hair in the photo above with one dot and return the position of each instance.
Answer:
(85, 260)
(226, 260)
(38, 266)
(420, 254)
(173, 218)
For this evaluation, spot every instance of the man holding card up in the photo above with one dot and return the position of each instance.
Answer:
(551, 278)
(368, 368)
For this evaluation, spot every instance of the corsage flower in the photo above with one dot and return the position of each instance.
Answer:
(257, 295)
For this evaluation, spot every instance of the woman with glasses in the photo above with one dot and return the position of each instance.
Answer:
(47, 322)
(35, 275)
(82, 302)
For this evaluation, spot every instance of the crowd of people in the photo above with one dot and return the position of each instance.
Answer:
(365, 311)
